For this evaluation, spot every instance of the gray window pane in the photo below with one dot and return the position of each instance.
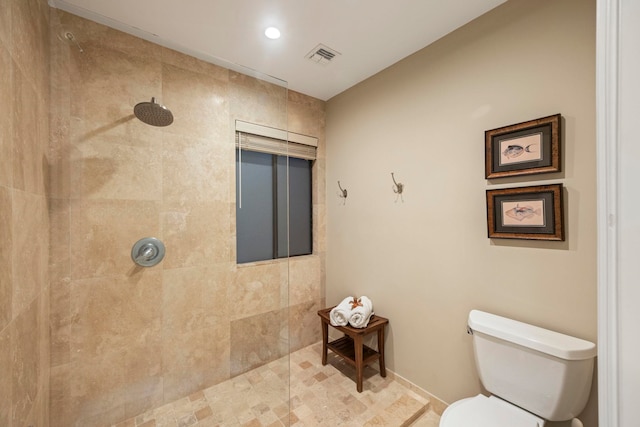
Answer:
(300, 207)
(283, 246)
(254, 207)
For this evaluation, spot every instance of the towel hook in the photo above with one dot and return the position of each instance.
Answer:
(398, 187)
(343, 193)
(68, 36)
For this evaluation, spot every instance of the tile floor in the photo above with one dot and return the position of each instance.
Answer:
(320, 396)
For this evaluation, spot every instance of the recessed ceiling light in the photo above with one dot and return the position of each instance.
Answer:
(272, 32)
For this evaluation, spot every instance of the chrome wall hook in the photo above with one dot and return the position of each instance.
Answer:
(398, 187)
(69, 37)
(343, 193)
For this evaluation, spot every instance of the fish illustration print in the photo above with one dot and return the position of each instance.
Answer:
(522, 212)
(513, 151)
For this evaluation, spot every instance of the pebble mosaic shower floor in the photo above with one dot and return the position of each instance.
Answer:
(320, 396)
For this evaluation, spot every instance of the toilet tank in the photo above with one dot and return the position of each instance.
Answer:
(542, 371)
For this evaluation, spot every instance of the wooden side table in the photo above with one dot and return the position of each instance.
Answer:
(351, 348)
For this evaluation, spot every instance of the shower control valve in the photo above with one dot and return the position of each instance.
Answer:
(147, 252)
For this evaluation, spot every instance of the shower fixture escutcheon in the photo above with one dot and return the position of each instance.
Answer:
(147, 252)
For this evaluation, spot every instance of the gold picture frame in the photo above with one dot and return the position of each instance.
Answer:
(531, 213)
(526, 148)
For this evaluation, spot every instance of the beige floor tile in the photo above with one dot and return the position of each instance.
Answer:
(429, 419)
(316, 396)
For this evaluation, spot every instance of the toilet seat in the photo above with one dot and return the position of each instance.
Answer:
(482, 411)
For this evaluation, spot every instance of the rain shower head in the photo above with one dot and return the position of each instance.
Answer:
(153, 113)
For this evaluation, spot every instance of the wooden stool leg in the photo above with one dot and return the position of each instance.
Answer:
(357, 342)
(325, 340)
(383, 370)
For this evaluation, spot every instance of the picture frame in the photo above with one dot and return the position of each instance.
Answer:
(530, 213)
(525, 148)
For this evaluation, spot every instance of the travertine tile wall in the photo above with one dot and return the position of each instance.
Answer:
(126, 339)
(24, 224)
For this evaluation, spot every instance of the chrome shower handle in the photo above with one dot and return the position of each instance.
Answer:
(146, 252)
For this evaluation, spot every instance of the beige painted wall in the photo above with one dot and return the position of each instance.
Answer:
(24, 224)
(426, 261)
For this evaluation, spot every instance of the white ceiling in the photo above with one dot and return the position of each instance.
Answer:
(370, 35)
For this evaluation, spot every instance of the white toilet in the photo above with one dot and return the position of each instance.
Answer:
(534, 375)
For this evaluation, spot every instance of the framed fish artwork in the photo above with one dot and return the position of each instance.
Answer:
(531, 213)
(523, 149)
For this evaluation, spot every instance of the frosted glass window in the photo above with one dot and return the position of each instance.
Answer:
(272, 222)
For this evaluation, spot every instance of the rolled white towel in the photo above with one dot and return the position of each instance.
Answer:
(339, 315)
(361, 314)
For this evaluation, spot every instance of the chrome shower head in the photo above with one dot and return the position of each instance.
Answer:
(153, 113)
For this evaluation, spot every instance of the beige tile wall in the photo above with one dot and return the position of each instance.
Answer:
(127, 339)
(24, 223)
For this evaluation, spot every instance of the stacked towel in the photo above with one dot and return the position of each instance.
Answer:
(361, 313)
(339, 315)
(353, 311)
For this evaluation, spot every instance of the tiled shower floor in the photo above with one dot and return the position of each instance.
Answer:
(320, 396)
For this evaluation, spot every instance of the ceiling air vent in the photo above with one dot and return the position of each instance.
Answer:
(322, 54)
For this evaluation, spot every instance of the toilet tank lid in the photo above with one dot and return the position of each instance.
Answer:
(533, 337)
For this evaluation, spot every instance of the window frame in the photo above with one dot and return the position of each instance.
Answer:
(265, 143)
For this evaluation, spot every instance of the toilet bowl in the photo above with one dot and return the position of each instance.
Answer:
(483, 411)
(533, 374)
